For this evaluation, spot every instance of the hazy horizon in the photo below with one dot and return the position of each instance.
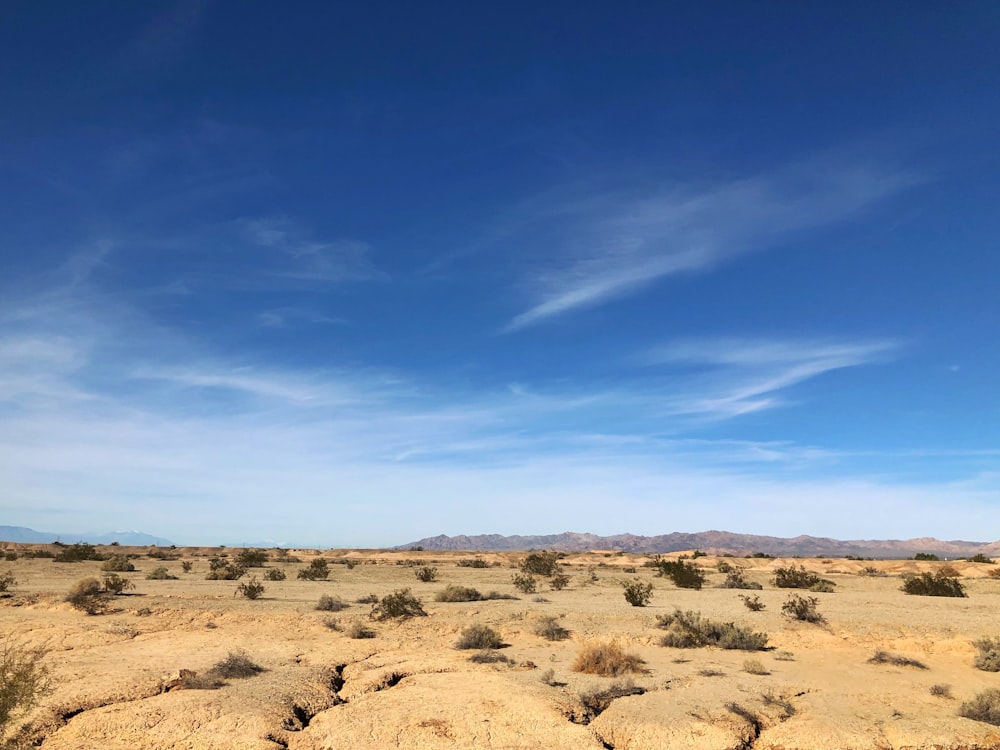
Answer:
(356, 274)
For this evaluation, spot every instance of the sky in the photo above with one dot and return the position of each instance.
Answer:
(354, 274)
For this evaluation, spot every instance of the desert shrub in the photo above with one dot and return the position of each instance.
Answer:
(223, 570)
(685, 575)
(784, 656)
(691, 630)
(116, 585)
(7, 580)
(251, 558)
(359, 631)
(949, 570)
(399, 604)
(929, 556)
(792, 578)
(237, 665)
(736, 579)
(606, 659)
(979, 557)
(23, 680)
(252, 589)
(524, 582)
(560, 581)
(548, 677)
(753, 603)
(118, 564)
(872, 572)
(887, 657)
(39, 553)
(596, 701)
(368, 599)
(754, 666)
(628, 569)
(549, 628)
(472, 563)
(10, 555)
(823, 587)
(426, 574)
(491, 657)
(541, 564)
(940, 690)
(936, 584)
(318, 570)
(453, 593)
(329, 603)
(723, 567)
(480, 637)
(637, 593)
(984, 707)
(761, 556)
(87, 596)
(186, 566)
(160, 574)
(802, 608)
(78, 552)
(786, 707)
(987, 654)
(274, 574)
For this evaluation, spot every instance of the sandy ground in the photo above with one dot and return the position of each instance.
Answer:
(409, 687)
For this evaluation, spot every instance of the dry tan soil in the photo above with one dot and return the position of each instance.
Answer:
(409, 687)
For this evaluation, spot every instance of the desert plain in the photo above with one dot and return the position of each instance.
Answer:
(133, 676)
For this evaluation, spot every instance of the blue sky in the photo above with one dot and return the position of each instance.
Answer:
(338, 275)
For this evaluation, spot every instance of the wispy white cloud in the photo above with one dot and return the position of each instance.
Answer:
(632, 242)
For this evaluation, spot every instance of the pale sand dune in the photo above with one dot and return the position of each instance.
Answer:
(408, 687)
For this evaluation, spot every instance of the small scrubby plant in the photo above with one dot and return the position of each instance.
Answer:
(936, 584)
(78, 553)
(160, 574)
(802, 608)
(7, 580)
(550, 629)
(358, 630)
(940, 690)
(607, 659)
(116, 585)
(472, 563)
(736, 579)
(795, 578)
(318, 570)
(426, 574)
(685, 575)
(252, 589)
(399, 604)
(274, 574)
(251, 558)
(118, 564)
(479, 637)
(987, 654)
(979, 557)
(524, 582)
(637, 593)
(541, 564)
(87, 596)
(559, 581)
(691, 630)
(329, 603)
(984, 707)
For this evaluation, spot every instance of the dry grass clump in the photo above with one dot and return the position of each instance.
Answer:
(887, 657)
(691, 630)
(548, 627)
(596, 701)
(329, 603)
(275, 574)
(87, 596)
(988, 654)
(160, 574)
(940, 690)
(252, 589)
(454, 593)
(369, 599)
(237, 665)
(359, 631)
(637, 593)
(426, 574)
(472, 563)
(606, 659)
(23, 680)
(479, 637)
(491, 657)
(754, 666)
(753, 603)
(685, 575)
(984, 707)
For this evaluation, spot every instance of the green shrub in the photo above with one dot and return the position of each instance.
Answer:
(479, 637)
(637, 593)
(691, 630)
(524, 582)
(252, 589)
(251, 558)
(491, 657)
(753, 603)
(453, 593)
(426, 574)
(87, 596)
(872, 572)
(979, 557)
(472, 563)
(685, 575)
(802, 608)
(160, 574)
(988, 654)
(118, 564)
(607, 660)
(78, 552)
(399, 604)
(548, 627)
(23, 680)
(936, 584)
(318, 570)
(736, 579)
(274, 574)
(541, 564)
(116, 585)
(929, 556)
(792, 578)
(754, 666)
(984, 707)
(329, 603)
(222, 570)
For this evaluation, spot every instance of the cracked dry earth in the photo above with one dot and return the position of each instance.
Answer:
(118, 683)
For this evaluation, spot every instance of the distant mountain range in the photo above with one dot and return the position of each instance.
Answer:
(714, 542)
(128, 538)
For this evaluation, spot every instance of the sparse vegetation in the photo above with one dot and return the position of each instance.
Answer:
(317, 570)
(118, 564)
(932, 584)
(23, 680)
(426, 574)
(685, 575)
(637, 593)
(872, 572)
(984, 707)
(223, 570)
(359, 631)
(736, 579)
(784, 656)
(979, 557)
(491, 657)
(802, 608)
(795, 578)
(479, 637)
(252, 589)
(115, 585)
(274, 574)
(472, 563)
(940, 690)
(525, 583)
(691, 630)
(399, 604)
(329, 603)
(927, 556)
(160, 574)
(755, 666)
(186, 566)
(596, 701)
(79, 552)
(987, 654)
(237, 666)
(454, 593)
(559, 581)
(251, 558)
(550, 629)
(607, 659)
(887, 657)
(7, 580)
(777, 701)
(753, 603)
(87, 596)
(541, 564)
